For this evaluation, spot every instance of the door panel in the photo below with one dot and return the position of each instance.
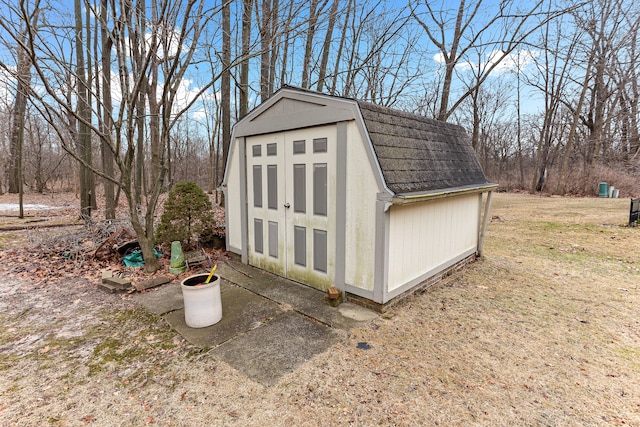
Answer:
(265, 170)
(292, 176)
(310, 174)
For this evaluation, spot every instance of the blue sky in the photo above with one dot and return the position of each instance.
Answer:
(430, 61)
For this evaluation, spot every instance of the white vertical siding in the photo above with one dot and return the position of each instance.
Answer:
(427, 235)
(360, 216)
(233, 205)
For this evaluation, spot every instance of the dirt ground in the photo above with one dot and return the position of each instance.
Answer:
(544, 331)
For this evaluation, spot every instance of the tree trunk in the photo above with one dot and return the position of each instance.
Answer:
(84, 118)
(597, 114)
(225, 95)
(327, 45)
(139, 53)
(265, 49)
(306, 64)
(247, 6)
(141, 111)
(350, 77)
(157, 151)
(107, 112)
(18, 118)
(336, 70)
(275, 9)
(475, 133)
(451, 59)
(38, 178)
(519, 132)
(285, 49)
(562, 185)
(88, 115)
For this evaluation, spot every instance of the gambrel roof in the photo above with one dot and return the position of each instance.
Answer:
(417, 154)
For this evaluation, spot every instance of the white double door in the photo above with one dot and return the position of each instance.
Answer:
(291, 204)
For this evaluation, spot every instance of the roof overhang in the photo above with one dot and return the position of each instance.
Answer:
(291, 108)
(417, 197)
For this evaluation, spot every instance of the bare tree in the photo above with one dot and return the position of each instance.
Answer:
(285, 44)
(17, 126)
(166, 40)
(315, 10)
(571, 139)
(247, 6)
(225, 90)
(341, 44)
(554, 67)
(268, 22)
(601, 21)
(498, 33)
(83, 132)
(326, 46)
(104, 105)
(22, 77)
(375, 57)
(625, 74)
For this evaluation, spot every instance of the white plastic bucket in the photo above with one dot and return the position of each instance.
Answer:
(202, 303)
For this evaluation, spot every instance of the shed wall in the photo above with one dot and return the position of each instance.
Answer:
(428, 235)
(360, 213)
(233, 201)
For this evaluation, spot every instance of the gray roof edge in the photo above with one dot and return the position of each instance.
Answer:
(373, 157)
(419, 196)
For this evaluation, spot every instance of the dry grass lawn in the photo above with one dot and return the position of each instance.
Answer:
(545, 331)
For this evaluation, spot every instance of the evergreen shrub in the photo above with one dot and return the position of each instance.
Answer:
(187, 216)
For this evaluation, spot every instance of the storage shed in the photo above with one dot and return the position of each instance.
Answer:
(329, 191)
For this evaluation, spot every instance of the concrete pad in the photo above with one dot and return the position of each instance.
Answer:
(241, 311)
(276, 348)
(270, 325)
(356, 312)
(302, 298)
(162, 300)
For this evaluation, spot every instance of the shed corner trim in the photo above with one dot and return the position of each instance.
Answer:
(387, 198)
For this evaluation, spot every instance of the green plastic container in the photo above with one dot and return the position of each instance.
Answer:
(603, 189)
(177, 264)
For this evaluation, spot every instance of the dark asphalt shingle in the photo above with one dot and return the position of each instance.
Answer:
(417, 154)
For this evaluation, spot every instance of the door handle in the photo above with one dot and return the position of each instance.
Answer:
(287, 205)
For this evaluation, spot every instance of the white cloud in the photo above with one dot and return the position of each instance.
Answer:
(6, 91)
(506, 63)
(185, 94)
(512, 62)
(199, 115)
